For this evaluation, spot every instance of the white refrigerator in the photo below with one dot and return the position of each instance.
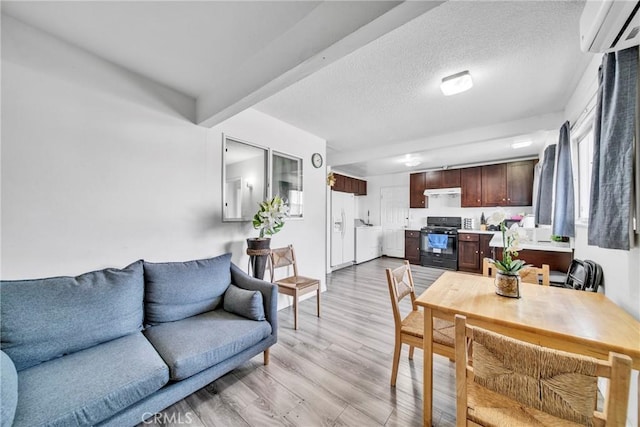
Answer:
(343, 208)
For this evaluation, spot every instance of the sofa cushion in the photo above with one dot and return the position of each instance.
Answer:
(197, 343)
(177, 290)
(244, 303)
(8, 390)
(89, 386)
(45, 318)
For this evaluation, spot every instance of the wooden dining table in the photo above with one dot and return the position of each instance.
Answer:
(565, 319)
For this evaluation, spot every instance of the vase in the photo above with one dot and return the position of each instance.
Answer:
(507, 285)
(258, 250)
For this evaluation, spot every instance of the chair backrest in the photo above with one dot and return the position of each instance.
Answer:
(527, 275)
(488, 269)
(282, 257)
(584, 275)
(400, 283)
(532, 275)
(555, 382)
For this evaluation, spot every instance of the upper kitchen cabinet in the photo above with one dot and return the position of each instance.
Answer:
(471, 183)
(520, 183)
(494, 185)
(347, 184)
(508, 184)
(504, 184)
(448, 178)
(432, 179)
(416, 190)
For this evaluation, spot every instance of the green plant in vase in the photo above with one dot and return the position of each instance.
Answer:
(508, 268)
(270, 216)
(269, 220)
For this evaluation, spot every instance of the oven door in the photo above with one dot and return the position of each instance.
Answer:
(438, 243)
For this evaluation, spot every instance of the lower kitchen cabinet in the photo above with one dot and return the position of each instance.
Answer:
(412, 246)
(472, 249)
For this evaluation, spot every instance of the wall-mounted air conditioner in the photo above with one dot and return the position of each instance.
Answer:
(606, 26)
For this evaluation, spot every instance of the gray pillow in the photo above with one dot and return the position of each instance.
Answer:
(177, 290)
(46, 318)
(244, 303)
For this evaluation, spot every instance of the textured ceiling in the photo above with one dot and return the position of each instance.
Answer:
(525, 61)
(362, 74)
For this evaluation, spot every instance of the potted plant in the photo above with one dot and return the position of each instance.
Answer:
(269, 220)
(508, 269)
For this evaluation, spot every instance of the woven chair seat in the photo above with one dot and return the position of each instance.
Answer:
(443, 331)
(488, 408)
(299, 282)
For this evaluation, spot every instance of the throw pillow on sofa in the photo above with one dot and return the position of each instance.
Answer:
(177, 290)
(43, 319)
(244, 303)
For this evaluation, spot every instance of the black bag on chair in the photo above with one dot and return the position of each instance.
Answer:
(584, 276)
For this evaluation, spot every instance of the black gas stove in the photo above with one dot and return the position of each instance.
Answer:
(439, 242)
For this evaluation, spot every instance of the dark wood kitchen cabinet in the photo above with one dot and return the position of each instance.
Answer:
(520, 183)
(471, 183)
(347, 184)
(472, 249)
(468, 252)
(432, 179)
(417, 198)
(412, 246)
(448, 178)
(494, 185)
(507, 184)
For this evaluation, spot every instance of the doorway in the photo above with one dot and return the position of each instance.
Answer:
(394, 217)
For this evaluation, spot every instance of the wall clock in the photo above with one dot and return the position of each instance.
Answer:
(316, 160)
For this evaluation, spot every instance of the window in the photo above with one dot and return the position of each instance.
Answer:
(584, 151)
(286, 179)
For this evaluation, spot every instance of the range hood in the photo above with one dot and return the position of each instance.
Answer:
(438, 191)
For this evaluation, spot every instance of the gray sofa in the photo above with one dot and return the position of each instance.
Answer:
(115, 346)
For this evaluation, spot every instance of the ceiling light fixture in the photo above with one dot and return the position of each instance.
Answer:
(412, 163)
(456, 83)
(522, 144)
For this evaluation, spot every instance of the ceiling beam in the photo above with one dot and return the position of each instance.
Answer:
(263, 76)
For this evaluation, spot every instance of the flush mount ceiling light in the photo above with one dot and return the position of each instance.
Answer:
(456, 83)
(522, 144)
(410, 161)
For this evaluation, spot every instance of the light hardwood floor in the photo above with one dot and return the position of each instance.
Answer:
(333, 371)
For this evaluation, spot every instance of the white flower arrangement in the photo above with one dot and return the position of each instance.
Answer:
(510, 243)
(270, 217)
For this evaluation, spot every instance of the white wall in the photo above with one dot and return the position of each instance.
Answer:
(101, 167)
(621, 268)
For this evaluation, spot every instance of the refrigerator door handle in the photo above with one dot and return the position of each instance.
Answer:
(344, 220)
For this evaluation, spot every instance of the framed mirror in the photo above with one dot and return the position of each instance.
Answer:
(286, 181)
(244, 178)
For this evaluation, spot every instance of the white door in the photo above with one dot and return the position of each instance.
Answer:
(349, 236)
(337, 226)
(394, 216)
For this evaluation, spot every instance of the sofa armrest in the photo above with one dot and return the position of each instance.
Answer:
(268, 290)
(8, 389)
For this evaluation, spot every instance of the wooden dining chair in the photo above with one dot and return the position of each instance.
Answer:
(410, 329)
(530, 274)
(501, 381)
(293, 285)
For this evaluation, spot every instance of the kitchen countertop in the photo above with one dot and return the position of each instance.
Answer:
(496, 242)
(463, 230)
